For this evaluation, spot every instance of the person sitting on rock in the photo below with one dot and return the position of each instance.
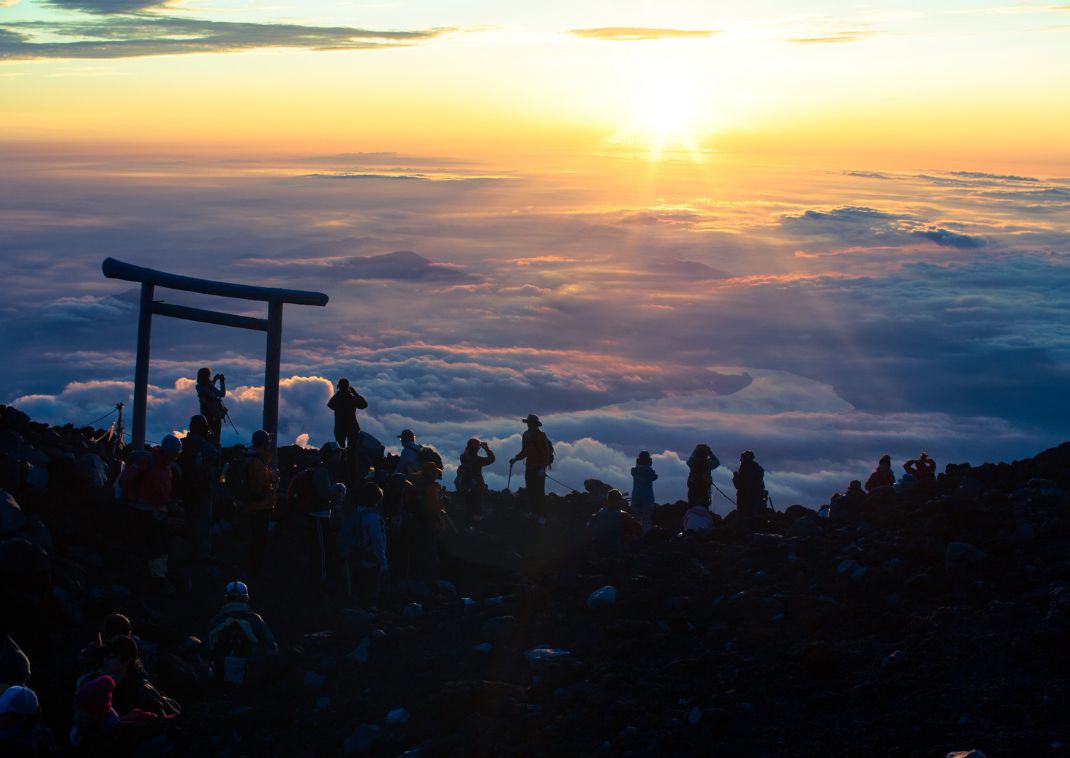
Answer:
(90, 658)
(749, 482)
(210, 397)
(612, 528)
(133, 690)
(237, 635)
(882, 476)
(923, 468)
(96, 722)
(643, 476)
(470, 484)
(698, 520)
(850, 505)
(345, 403)
(700, 466)
(362, 545)
(22, 732)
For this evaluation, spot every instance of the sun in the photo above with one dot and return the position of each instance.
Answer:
(664, 112)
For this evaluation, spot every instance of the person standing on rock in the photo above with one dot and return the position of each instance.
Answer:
(643, 476)
(923, 468)
(409, 460)
(263, 491)
(199, 462)
(749, 481)
(882, 476)
(700, 477)
(470, 484)
(210, 396)
(147, 484)
(538, 455)
(345, 403)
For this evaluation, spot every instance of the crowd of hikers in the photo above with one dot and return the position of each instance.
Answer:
(371, 518)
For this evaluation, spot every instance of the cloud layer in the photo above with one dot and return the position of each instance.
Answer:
(841, 316)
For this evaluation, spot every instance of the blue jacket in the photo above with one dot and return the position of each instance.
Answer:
(643, 476)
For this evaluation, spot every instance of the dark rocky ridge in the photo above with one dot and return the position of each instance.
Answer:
(937, 623)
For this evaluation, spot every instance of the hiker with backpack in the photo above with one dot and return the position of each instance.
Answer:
(199, 463)
(147, 485)
(255, 485)
(749, 482)
(643, 476)
(317, 493)
(362, 546)
(538, 455)
(700, 466)
(210, 393)
(237, 636)
(345, 403)
(470, 484)
(423, 521)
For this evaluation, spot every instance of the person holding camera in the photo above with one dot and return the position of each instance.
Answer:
(470, 484)
(210, 392)
(345, 403)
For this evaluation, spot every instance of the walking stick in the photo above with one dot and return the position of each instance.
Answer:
(509, 482)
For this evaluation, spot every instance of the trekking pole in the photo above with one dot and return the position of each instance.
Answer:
(561, 483)
(231, 422)
(509, 481)
(726, 497)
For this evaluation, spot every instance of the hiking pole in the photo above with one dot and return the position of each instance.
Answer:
(509, 481)
(231, 421)
(561, 483)
(726, 497)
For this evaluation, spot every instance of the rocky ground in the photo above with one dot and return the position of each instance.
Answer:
(939, 621)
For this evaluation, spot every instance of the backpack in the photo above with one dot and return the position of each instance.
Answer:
(133, 475)
(231, 652)
(430, 455)
(196, 471)
(301, 496)
(236, 478)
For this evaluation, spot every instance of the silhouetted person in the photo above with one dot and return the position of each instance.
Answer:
(200, 462)
(643, 476)
(345, 403)
(538, 455)
(263, 487)
(238, 633)
(612, 528)
(409, 461)
(362, 545)
(470, 484)
(133, 690)
(923, 468)
(22, 732)
(881, 477)
(700, 476)
(749, 481)
(210, 393)
(423, 522)
(147, 484)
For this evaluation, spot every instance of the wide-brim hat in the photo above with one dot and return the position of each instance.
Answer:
(532, 419)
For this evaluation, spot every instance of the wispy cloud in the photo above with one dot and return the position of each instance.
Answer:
(835, 38)
(135, 36)
(639, 33)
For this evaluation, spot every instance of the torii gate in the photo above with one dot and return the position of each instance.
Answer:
(150, 279)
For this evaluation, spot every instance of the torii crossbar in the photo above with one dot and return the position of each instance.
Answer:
(274, 297)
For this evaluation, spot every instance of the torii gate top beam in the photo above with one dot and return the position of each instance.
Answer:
(114, 269)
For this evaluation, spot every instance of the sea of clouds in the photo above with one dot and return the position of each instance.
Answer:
(818, 317)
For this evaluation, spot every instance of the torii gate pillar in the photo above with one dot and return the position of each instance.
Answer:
(275, 298)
